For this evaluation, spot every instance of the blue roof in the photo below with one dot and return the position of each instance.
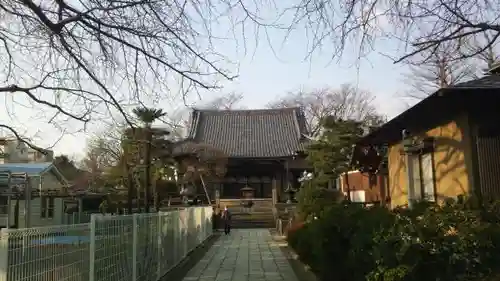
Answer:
(29, 168)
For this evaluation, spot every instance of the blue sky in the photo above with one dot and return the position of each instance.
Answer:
(271, 69)
(266, 73)
(264, 77)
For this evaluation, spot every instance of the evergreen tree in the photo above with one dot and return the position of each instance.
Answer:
(330, 154)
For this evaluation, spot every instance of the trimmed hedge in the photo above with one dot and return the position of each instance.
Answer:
(454, 242)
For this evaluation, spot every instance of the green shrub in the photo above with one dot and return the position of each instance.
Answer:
(313, 200)
(456, 241)
(339, 241)
(299, 240)
(444, 243)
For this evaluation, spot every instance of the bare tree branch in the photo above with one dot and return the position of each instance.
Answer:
(82, 60)
(490, 56)
(226, 102)
(347, 102)
(179, 121)
(422, 26)
(438, 71)
(85, 60)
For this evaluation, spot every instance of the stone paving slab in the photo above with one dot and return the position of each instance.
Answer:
(243, 255)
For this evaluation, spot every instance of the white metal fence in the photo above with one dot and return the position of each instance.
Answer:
(138, 247)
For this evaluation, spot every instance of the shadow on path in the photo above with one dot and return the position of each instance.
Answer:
(181, 270)
(245, 254)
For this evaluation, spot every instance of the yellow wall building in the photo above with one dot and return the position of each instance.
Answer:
(446, 145)
(444, 172)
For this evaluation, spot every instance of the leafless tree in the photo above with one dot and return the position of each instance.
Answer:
(438, 71)
(347, 102)
(177, 123)
(104, 153)
(421, 26)
(488, 57)
(225, 102)
(82, 60)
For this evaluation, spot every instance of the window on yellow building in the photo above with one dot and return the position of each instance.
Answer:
(428, 188)
(423, 177)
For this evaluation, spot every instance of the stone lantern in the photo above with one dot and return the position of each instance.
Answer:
(290, 191)
(248, 194)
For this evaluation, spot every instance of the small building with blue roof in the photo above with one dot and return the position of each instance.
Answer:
(44, 210)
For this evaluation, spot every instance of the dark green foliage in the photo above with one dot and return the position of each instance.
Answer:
(454, 242)
(330, 154)
(312, 201)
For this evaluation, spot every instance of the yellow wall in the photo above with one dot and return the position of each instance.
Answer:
(397, 176)
(452, 162)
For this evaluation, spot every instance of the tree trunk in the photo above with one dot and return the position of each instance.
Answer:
(157, 201)
(130, 189)
(156, 196)
(138, 199)
(147, 180)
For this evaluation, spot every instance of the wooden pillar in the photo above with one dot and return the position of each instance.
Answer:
(221, 188)
(217, 190)
(274, 190)
(287, 175)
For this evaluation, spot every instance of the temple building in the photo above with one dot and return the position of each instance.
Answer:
(264, 149)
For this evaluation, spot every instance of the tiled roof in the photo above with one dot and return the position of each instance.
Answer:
(250, 133)
(485, 82)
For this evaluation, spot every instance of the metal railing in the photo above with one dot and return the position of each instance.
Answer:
(138, 247)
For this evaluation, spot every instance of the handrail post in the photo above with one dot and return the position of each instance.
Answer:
(135, 240)
(159, 228)
(92, 247)
(4, 254)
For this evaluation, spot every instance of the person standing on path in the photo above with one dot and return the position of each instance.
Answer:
(226, 217)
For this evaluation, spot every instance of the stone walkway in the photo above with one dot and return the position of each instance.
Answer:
(244, 255)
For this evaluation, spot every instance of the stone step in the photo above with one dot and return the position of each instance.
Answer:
(255, 221)
(239, 202)
(260, 215)
(247, 222)
(252, 210)
(252, 218)
(253, 225)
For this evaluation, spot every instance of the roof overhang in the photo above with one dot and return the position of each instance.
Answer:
(55, 170)
(441, 106)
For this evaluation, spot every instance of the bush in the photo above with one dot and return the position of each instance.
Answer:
(339, 240)
(312, 200)
(429, 242)
(297, 239)
(294, 227)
